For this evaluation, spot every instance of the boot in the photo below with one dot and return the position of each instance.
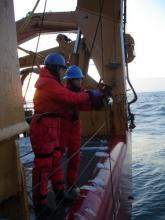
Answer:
(72, 192)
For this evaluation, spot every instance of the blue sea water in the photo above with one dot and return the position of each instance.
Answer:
(148, 157)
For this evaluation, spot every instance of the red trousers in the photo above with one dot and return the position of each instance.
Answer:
(70, 138)
(44, 136)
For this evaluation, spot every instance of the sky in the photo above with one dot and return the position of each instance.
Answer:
(145, 22)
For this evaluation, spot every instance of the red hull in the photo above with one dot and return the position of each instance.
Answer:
(100, 197)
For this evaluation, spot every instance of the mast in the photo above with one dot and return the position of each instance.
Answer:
(12, 189)
(101, 25)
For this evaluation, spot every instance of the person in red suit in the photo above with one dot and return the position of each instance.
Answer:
(50, 98)
(71, 130)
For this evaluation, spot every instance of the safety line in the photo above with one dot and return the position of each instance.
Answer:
(83, 171)
(67, 160)
(34, 57)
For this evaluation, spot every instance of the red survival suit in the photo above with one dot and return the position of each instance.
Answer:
(70, 138)
(49, 100)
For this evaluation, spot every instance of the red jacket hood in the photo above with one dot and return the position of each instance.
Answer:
(44, 77)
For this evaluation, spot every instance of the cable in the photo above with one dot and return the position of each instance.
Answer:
(127, 71)
(97, 26)
(28, 19)
(43, 15)
(60, 202)
(131, 116)
(66, 161)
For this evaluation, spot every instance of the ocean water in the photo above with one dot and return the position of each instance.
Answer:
(148, 157)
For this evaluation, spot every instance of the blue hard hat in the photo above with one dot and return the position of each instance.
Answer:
(73, 72)
(55, 59)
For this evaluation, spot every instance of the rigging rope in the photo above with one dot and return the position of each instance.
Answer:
(67, 160)
(97, 27)
(94, 135)
(83, 171)
(60, 202)
(34, 57)
(28, 19)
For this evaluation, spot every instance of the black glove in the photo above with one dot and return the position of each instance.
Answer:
(106, 90)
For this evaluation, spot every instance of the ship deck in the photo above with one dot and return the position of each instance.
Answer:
(90, 159)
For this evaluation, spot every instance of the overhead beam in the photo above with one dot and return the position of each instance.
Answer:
(53, 22)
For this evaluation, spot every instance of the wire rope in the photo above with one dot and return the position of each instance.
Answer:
(28, 18)
(34, 57)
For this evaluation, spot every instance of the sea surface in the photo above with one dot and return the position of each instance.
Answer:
(148, 157)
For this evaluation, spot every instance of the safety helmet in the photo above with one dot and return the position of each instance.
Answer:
(73, 72)
(55, 59)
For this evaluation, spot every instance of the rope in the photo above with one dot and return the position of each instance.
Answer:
(97, 27)
(93, 135)
(43, 15)
(66, 161)
(28, 19)
(96, 132)
(83, 171)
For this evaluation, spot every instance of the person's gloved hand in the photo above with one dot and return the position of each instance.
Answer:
(95, 93)
(106, 90)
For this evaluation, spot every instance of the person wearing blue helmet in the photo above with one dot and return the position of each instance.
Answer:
(55, 63)
(73, 72)
(71, 130)
(50, 98)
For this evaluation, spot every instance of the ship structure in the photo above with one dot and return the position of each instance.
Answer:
(105, 175)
